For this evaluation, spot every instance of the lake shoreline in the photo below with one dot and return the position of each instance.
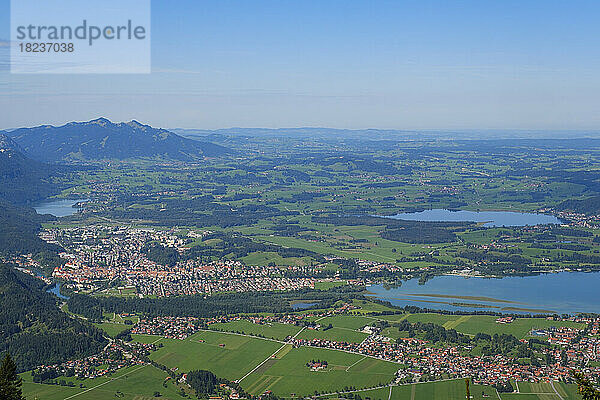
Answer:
(58, 207)
(563, 292)
(483, 218)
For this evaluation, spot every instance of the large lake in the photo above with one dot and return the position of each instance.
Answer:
(57, 207)
(489, 218)
(564, 292)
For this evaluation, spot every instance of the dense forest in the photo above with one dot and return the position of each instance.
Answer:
(590, 205)
(22, 180)
(200, 306)
(207, 385)
(228, 246)
(402, 230)
(200, 211)
(34, 330)
(18, 231)
(204, 383)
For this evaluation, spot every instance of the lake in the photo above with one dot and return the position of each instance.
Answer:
(58, 207)
(489, 218)
(564, 292)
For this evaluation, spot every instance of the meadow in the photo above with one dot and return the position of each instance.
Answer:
(473, 324)
(289, 374)
(227, 355)
(446, 390)
(543, 391)
(273, 330)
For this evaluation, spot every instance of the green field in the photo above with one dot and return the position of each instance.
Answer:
(285, 373)
(274, 330)
(347, 321)
(439, 319)
(446, 390)
(281, 369)
(112, 329)
(329, 284)
(449, 390)
(473, 324)
(519, 328)
(543, 391)
(289, 374)
(336, 334)
(202, 351)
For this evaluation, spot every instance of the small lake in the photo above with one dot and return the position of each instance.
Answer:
(56, 291)
(57, 207)
(564, 292)
(489, 218)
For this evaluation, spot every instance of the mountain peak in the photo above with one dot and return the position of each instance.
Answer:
(137, 125)
(100, 121)
(102, 139)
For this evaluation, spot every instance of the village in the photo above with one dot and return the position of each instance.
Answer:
(422, 360)
(116, 355)
(98, 256)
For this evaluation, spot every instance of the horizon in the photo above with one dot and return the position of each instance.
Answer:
(316, 128)
(348, 65)
(299, 200)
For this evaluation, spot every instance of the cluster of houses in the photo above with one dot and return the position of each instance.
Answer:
(568, 347)
(317, 365)
(431, 361)
(116, 355)
(417, 358)
(98, 253)
(168, 327)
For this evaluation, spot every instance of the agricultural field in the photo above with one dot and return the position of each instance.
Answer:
(353, 322)
(225, 354)
(289, 373)
(472, 324)
(284, 371)
(335, 333)
(112, 329)
(261, 364)
(446, 390)
(366, 307)
(273, 330)
(543, 391)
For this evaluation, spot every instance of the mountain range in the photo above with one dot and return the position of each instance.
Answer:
(103, 139)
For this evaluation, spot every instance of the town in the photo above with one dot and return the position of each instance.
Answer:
(419, 359)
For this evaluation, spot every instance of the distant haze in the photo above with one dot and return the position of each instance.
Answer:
(418, 65)
(390, 134)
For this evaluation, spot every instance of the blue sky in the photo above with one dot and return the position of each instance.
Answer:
(346, 64)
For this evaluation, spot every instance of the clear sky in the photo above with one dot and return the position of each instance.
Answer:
(346, 64)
